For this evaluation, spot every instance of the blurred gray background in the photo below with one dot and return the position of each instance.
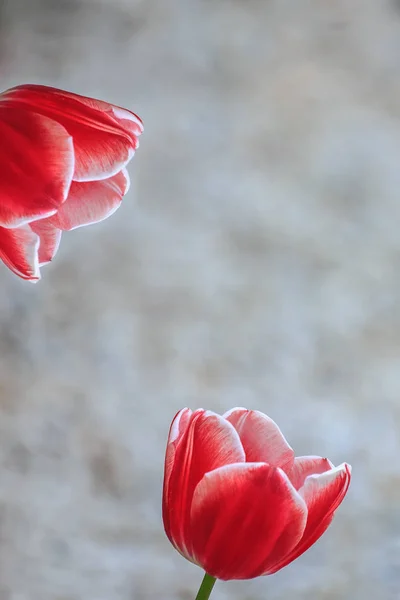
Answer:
(254, 262)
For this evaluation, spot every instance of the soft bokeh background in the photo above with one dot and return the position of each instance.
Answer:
(255, 262)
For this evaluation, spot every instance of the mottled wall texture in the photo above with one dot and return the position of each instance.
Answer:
(255, 262)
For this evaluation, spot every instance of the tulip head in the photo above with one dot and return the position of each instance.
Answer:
(63, 159)
(236, 500)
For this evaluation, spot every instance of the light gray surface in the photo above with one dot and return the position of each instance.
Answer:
(255, 262)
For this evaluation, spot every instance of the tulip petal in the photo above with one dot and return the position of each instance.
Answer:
(208, 442)
(176, 432)
(129, 120)
(91, 202)
(36, 166)
(99, 155)
(105, 136)
(304, 466)
(244, 517)
(322, 494)
(261, 437)
(19, 251)
(50, 238)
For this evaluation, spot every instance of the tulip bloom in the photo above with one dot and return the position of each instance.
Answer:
(63, 160)
(236, 501)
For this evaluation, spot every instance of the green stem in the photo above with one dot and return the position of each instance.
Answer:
(206, 587)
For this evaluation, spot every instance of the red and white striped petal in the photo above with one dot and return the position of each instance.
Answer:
(322, 494)
(36, 166)
(50, 238)
(261, 437)
(208, 442)
(244, 517)
(304, 466)
(19, 251)
(91, 202)
(105, 136)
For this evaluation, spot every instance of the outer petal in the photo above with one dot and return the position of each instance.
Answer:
(245, 517)
(50, 238)
(36, 166)
(207, 443)
(91, 202)
(176, 432)
(105, 136)
(304, 466)
(19, 251)
(261, 437)
(322, 494)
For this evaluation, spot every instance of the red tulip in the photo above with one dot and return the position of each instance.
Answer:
(63, 166)
(236, 501)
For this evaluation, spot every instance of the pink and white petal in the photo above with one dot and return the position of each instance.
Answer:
(91, 202)
(50, 238)
(304, 466)
(322, 494)
(36, 166)
(105, 136)
(19, 251)
(208, 443)
(261, 437)
(243, 518)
